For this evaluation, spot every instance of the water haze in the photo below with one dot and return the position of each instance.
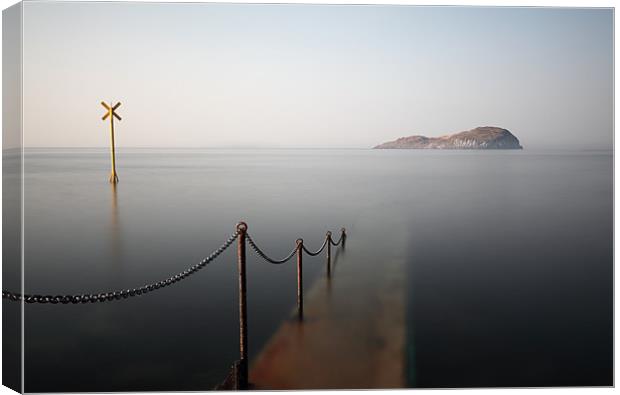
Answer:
(508, 262)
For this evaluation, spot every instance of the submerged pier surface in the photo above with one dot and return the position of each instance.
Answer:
(353, 331)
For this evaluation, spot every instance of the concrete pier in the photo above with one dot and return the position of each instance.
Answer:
(353, 332)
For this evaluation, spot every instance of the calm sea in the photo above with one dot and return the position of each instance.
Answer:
(509, 260)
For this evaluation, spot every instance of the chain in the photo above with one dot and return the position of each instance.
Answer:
(343, 236)
(123, 294)
(317, 252)
(260, 253)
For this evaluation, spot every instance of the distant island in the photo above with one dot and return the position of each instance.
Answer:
(484, 137)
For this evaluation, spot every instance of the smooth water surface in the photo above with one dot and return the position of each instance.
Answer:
(509, 260)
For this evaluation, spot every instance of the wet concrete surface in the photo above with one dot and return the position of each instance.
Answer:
(353, 331)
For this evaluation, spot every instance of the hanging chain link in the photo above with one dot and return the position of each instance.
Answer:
(122, 294)
(328, 239)
(343, 236)
(260, 253)
(317, 252)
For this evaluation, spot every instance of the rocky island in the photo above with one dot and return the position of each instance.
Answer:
(485, 137)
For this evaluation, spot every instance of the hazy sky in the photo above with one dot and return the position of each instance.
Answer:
(313, 75)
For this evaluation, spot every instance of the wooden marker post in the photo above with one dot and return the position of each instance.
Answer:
(112, 114)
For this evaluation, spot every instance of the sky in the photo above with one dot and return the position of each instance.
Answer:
(258, 75)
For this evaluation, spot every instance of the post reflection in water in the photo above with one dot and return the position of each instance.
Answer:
(331, 268)
(334, 261)
(116, 240)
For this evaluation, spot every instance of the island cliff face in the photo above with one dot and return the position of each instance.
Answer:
(486, 137)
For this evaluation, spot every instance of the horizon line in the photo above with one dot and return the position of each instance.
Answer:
(201, 147)
(360, 148)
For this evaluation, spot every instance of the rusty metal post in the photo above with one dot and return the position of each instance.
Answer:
(242, 373)
(344, 236)
(300, 280)
(329, 253)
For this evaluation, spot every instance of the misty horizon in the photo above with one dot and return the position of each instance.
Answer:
(464, 155)
(297, 75)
